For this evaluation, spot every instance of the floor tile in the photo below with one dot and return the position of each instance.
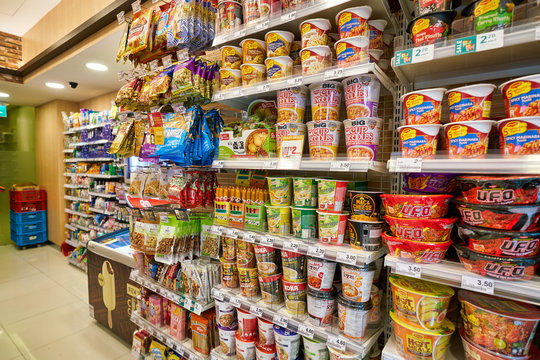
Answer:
(26, 286)
(12, 267)
(8, 348)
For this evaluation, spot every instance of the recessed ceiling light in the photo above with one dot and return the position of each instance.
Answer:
(97, 67)
(3, 94)
(55, 85)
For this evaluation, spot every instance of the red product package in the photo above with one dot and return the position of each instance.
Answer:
(416, 206)
(426, 230)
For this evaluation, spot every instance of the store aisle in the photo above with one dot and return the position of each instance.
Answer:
(44, 310)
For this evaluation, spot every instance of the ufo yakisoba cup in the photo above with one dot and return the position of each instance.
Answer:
(362, 138)
(291, 104)
(323, 137)
(290, 132)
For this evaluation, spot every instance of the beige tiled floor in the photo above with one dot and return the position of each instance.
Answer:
(44, 310)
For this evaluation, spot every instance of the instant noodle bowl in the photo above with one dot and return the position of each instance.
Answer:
(374, 315)
(522, 96)
(419, 141)
(332, 227)
(496, 189)
(375, 56)
(278, 67)
(305, 192)
(249, 282)
(280, 190)
(253, 51)
(291, 104)
(336, 354)
(331, 194)
(498, 267)
(500, 217)
(315, 59)
(227, 341)
(376, 28)
(229, 248)
(229, 273)
(365, 205)
(468, 139)
(353, 21)
(229, 15)
(471, 102)
(265, 352)
(289, 132)
(503, 326)
(353, 316)
(315, 349)
(268, 260)
(416, 206)
(430, 182)
(422, 344)
(420, 303)
(231, 57)
(304, 222)
(365, 235)
(325, 100)
(361, 96)
(323, 138)
(226, 316)
(519, 137)
(314, 32)
(247, 324)
(425, 230)
(357, 281)
(245, 347)
(287, 343)
(474, 351)
(266, 332)
(422, 7)
(500, 243)
(246, 254)
(271, 289)
(416, 251)
(252, 74)
(296, 47)
(490, 15)
(229, 78)
(430, 28)
(279, 219)
(320, 305)
(295, 297)
(294, 266)
(351, 51)
(320, 273)
(278, 43)
(423, 106)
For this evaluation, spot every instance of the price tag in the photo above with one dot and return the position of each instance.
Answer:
(218, 295)
(333, 73)
(218, 164)
(291, 15)
(490, 40)
(241, 32)
(280, 320)
(465, 45)
(249, 237)
(340, 165)
(178, 108)
(214, 357)
(197, 308)
(337, 342)
(182, 55)
(233, 233)
(408, 165)
(154, 65)
(214, 229)
(120, 17)
(537, 33)
(423, 53)
(175, 297)
(236, 92)
(234, 301)
(169, 342)
(478, 284)
(270, 164)
(306, 330)
(294, 81)
(263, 88)
(412, 270)
(262, 25)
(266, 240)
(136, 6)
(167, 61)
(255, 310)
(346, 258)
(181, 214)
(218, 96)
(290, 246)
(121, 76)
(316, 251)
(151, 286)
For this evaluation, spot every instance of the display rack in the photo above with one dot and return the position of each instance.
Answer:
(77, 264)
(305, 164)
(73, 160)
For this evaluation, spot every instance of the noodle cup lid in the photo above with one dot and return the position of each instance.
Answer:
(284, 331)
(323, 50)
(379, 24)
(529, 119)
(280, 59)
(484, 124)
(365, 267)
(434, 93)
(421, 287)
(237, 48)
(500, 306)
(241, 338)
(321, 294)
(535, 78)
(363, 11)
(266, 349)
(475, 90)
(447, 327)
(431, 129)
(365, 306)
(260, 42)
(234, 72)
(284, 34)
(446, 16)
(321, 23)
(357, 41)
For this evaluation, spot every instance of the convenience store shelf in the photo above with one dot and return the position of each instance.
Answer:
(101, 159)
(80, 227)
(68, 151)
(342, 254)
(78, 265)
(76, 186)
(76, 198)
(74, 130)
(94, 142)
(451, 273)
(98, 176)
(73, 212)
(185, 301)
(103, 195)
(75, 243)
(100, 211)
(278, 315)
(343, 165)
(183, 348)
(71, 228)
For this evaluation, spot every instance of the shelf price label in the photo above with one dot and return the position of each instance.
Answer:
(120, 17)
(266, 240)
(218, 294)
(290, 246)
(537, 33)
(237, 93)
(234, 301)
(136, 6)
(333, 73)
(167, 61)
(262, 25)
(182, 55)
(280, 320)
(423, 53)
(316, 251)
(218, 164)
(255, 310)
(263, 88)
(340, 165)
(270, 164)
(478, 284)
(465, 45)
(233, 233)
(490, 40)
(294, 81)
(408, 165)
(337, 342)
(306, 330)
(412, 270)
(346, 258)
(250, 237)
(291, 15)
(154, 66)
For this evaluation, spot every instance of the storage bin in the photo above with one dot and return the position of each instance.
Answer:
(27, 217)
(29, 239)
(31, 228)
(27, 195)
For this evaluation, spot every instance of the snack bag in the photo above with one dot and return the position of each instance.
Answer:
(139, 31)
(151, 185)
(121, 53)
(160, 84)
(150, 236)
(121, 137)
(166, 239)
(162, 26)
(136, 184)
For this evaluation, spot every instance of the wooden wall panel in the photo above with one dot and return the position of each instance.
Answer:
(99, 103)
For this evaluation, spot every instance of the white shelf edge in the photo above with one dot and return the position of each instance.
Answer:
(73, 160)
(73, 212)
(306, 164)
(107, 196)
(76, 198)
(99, 211)
(98, 176)
(94, 142)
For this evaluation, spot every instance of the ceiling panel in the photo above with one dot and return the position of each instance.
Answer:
(18, 16)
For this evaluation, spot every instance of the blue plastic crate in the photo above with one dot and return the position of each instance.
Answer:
(27, 217)
(29, 239)
(32, 228)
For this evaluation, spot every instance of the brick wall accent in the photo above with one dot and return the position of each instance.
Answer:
(10, 51)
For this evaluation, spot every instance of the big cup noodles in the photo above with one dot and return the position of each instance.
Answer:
(291, 104)
(522, 96)
(325, 100)
(290, 132)
(362, 138)
(361, 95)
(323, 139)
(419, 141)
(423, 106)
(470, 102)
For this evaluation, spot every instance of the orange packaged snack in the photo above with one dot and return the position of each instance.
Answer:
(139, 32)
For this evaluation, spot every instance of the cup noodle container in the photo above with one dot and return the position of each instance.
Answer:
(353, 317)
(419, 141)
(231, 57)
(323, 138)
(249, 281)
(229, 78)
(305, 192)
(291, 105)
(294, 266)
(315, 59)
(245, 347)
(321, 305)
(320, 273)
(325, 100)
(227, 341)
(247, 324)
(357, 281)
(280, 190)
(314, 32)
(253, 51)
(229, 273)
(290, 132)
(271, 290)
(295, 297)
(375, 312)
(265, 352)
(361, 96)
(304, 222)
(332, 227)
(278, 67)
(279, 219)
(268, 260)
(287, 343)
(229, 15)
(375, 57)
(251, 10)
(376, 28)
(468, 139)
(266, 332)
(522, 96)
(278, 43)
(423, 106)
(336, 354)
(351, 51)
(470, 102)
(353, 21)
(331, 194)
(519, 136)
(252, 74)
(315, 349)
(362, 138)
(226, 316)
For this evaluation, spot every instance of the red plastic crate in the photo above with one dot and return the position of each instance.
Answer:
(27, 206)
(27, 195)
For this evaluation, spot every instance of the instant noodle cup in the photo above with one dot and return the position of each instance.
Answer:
(331, 194)
(430, 28)
(425, 230)
(296, 47)
(304, 222)
(287, 343)
(314, 32)
(280, 190)
(376, 28)
(365, 205)
(474, 351)
(278, 67)
(226, 315)
(336, 354)
(229, 248)
(245, 254)
(231, 57)
(500, 189)
(323, 139)
(266, 332)
(265, 352)
(430, 182)
(268, 260)
(423, 106)
(422, 7)
(365, 235)
(253, 51)
(325, 100)
(504, 326)
(278, 43)
(249, 282)
(353, 21)
(419, 141)
(252, 10)
(416, 251)
(351, 51)
(229, 15)
(314, 349)
(291, 104)
(357, 281)
(294, 266)
(305, 192)
(522, 96)
(353, 316)
(229, 78)
(427, 344)
(519, 137)
(227, 341)
(245, 347)
(420, 303)
(289, 132)
(229, 273)
(375, 313)
(279, 219)
(490, 15)
(471, 102)
(332, 227)
(271, 290)
(315, 59)
(375, 56)
(295, 297)
(320, 273)
(247, 324)
(416, 206)
(252, 74)
(361, 96)
(320, 306)
(468, 139)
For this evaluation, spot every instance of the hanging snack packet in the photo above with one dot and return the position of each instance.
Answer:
(121, 137)
(121, 53)
(126, 92)
(139, 31)
(137, 237)
(151, 185)
(136, 184)
(162, 26)
(183, 77)
(160, 84)
(164, 181)
(150, 236)
(166, 239)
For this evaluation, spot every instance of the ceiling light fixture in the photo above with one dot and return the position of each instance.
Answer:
(4, 95)
(97, 67)
(55, 85)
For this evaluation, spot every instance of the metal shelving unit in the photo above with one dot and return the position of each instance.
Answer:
(73, 212)
(93, 142)
(103, 159)
(103, 195)
(306, 164)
